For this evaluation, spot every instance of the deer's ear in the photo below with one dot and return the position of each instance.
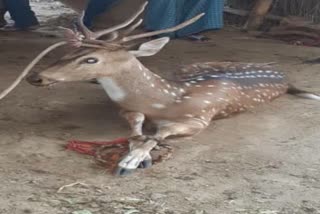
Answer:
(150, 48)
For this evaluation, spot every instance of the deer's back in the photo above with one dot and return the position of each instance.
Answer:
(223, 88)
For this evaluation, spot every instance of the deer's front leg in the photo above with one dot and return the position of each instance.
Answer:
(141, 146)
(135, 120)
(139, 154)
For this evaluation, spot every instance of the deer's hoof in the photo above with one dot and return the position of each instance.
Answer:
(130, 163)
(138, 156)
(123, 171)
(147, 163)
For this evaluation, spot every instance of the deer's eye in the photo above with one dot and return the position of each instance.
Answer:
(90, 60)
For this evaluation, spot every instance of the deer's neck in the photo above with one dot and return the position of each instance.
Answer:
(136, 86)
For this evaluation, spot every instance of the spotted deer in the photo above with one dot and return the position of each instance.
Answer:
(184, 106)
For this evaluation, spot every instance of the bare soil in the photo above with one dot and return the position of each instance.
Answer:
(261, 162)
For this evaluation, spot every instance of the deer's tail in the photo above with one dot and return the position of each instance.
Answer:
(301, 93)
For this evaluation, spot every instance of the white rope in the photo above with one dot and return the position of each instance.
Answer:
(29, 67)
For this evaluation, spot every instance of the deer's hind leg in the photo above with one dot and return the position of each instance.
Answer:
(140, 147)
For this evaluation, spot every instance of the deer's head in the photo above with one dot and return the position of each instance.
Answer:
(94, 58)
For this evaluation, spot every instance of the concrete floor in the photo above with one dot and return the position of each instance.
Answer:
(261, 162)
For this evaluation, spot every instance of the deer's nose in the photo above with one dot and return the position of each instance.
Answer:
(38, 80)
(35, 79)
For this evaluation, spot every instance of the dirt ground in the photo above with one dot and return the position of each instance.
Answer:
(261, 162)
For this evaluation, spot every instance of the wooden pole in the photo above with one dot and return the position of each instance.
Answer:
(257, 15)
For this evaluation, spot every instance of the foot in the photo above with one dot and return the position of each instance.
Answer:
(198, 37)
(138, 156)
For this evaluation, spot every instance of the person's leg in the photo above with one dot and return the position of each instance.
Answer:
(3, 10)
(162, 14)
(3, 22)
(95, 8)
(213, 18)
(20, 11)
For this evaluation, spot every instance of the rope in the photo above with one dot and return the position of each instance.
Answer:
(29, 67)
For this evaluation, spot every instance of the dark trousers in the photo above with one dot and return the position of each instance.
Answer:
(94, 8)
(20, 11)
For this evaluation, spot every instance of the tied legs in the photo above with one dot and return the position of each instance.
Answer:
(139, 155)
(141, 146)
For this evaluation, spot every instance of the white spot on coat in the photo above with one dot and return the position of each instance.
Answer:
(158, 106)
(188, 115)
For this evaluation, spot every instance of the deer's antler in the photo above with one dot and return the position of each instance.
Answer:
(87, 38)
(89, 35)
(168, 30)
(132, 28)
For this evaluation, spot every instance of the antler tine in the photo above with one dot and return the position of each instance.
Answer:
(112, 36)
(132, 28)
(168, 30)
(122, 25)
(88, 34)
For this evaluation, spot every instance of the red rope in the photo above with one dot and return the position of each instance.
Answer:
(89, 148)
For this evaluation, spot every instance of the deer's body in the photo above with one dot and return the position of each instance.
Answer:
(184, 106)
(202, 92)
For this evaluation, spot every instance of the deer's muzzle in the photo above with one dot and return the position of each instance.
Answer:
(38, 80)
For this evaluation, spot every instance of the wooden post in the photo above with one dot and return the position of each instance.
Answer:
(259, 11)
